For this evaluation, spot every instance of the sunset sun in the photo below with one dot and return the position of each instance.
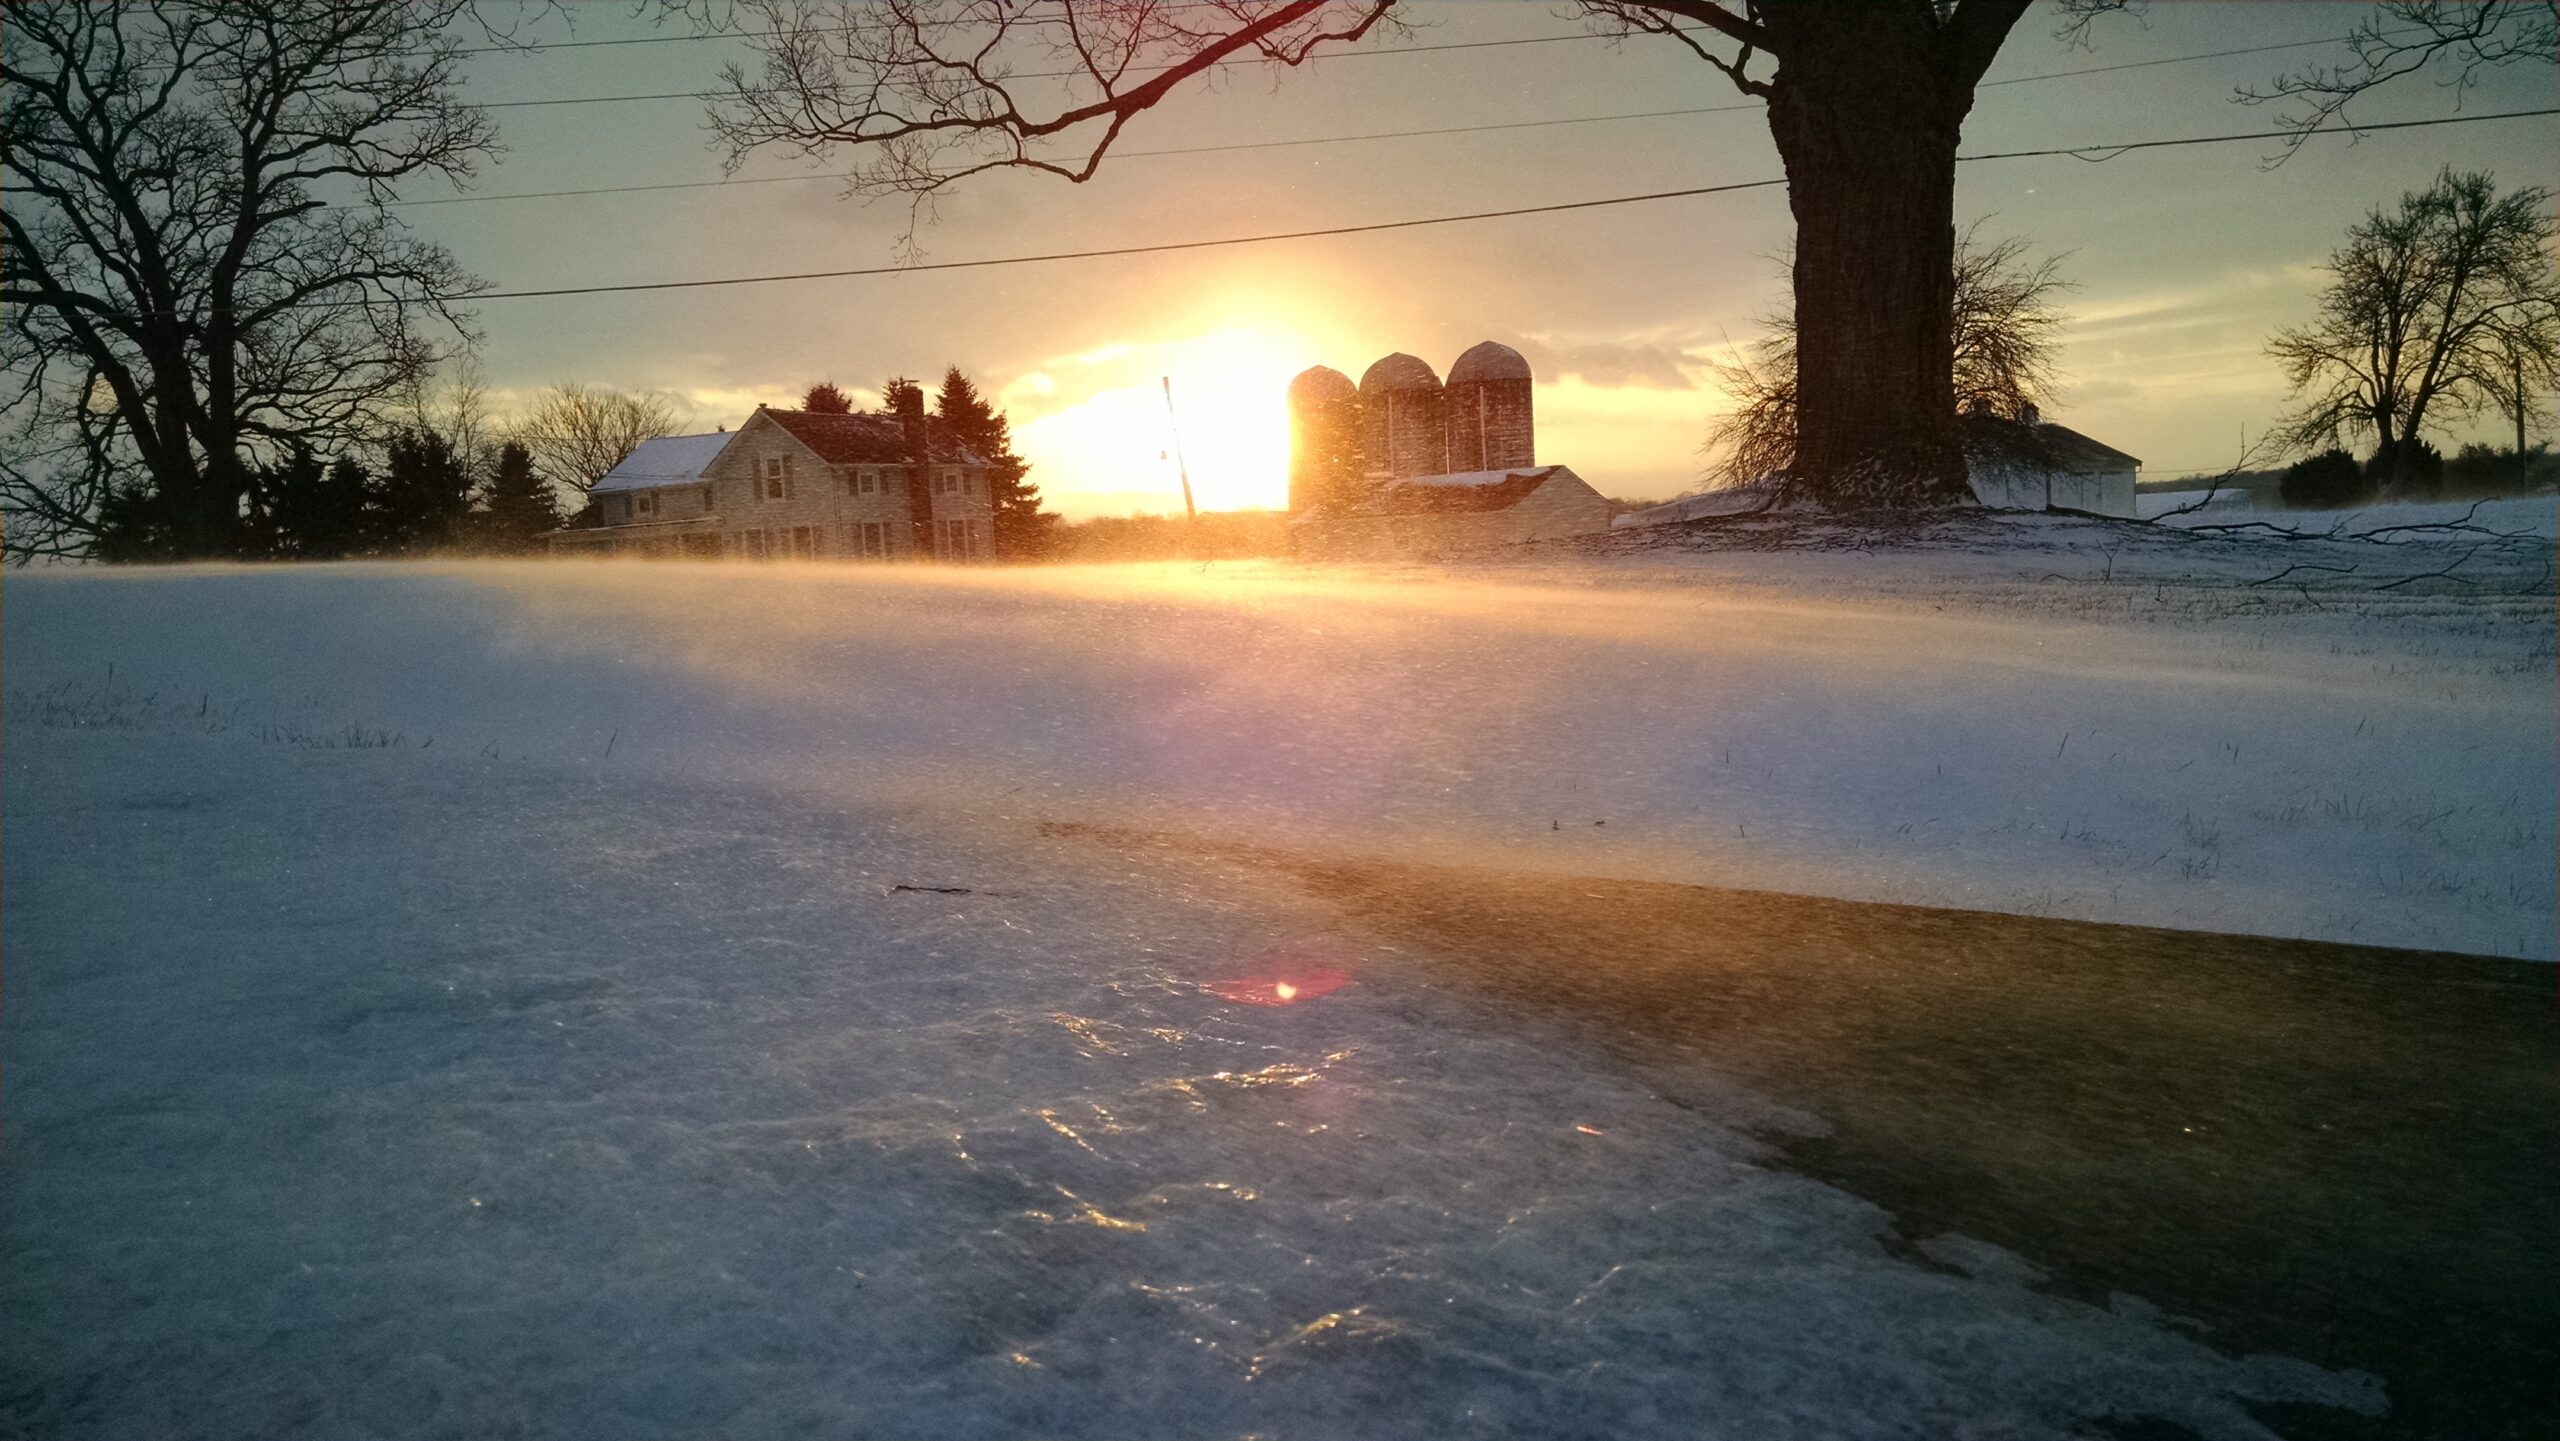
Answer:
(1228, 414)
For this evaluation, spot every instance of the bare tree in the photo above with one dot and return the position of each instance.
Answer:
(2521, 366)
(577, 433)
(2418, 321)
(200, 271)
(1866, 103)
(453, 402)
(2406, 37)
(2006, 328)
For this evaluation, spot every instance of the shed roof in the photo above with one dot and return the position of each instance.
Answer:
(667, 460)
(2042, 443)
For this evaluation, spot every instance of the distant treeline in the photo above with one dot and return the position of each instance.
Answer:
(2337, 478)
(1215, 535)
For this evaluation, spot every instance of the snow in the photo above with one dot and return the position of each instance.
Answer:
(639, 999)
(667, 460)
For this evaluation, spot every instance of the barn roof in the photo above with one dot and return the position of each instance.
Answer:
(667, 460)
(874, 438)
(2040, 443)
(1461, 493)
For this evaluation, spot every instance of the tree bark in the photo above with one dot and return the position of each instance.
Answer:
(1867, 109)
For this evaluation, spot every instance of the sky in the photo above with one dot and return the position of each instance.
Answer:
(2184, 260)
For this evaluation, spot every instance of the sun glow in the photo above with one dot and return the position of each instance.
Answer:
(1116, 441)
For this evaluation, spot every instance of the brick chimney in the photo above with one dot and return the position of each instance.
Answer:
(919, 448)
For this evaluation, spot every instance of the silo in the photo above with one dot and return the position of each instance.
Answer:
(1324, 439)
(1489, 412)
(1400, 426)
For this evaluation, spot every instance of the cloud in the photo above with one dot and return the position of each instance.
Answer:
(1651, 367)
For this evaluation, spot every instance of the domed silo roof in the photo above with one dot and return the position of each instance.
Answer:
(1318, 383)
(1489, 361)
(1399, 372)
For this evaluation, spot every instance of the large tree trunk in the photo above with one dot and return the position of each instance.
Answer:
(1867, 110)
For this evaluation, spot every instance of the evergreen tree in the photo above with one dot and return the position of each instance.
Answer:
(825, 399)
(135, 524)
(422, 499)
(518, 507)
(300, 509)
(1022, 530)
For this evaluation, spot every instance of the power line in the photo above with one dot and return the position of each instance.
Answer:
(1158, 249)
(1117, 155)
(1414, 50)
(2093, 153)
(1296, 143)
(2110, 151)
(1082, 75)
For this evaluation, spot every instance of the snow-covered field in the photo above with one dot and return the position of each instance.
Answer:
(641, 1000)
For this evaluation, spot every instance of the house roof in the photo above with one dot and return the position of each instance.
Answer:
(874, 438)
(2040, 443)
(667, 460)
(1466, 491)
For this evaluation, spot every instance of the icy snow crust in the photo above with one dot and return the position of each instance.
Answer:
(479, 999)
(380, 1092)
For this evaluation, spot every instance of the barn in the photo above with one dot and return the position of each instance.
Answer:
(1424, 516)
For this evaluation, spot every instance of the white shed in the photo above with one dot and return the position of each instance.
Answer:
(2031, 464)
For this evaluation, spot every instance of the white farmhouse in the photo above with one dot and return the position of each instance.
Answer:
(798, 484)
(2031, 464)
(1421, 516)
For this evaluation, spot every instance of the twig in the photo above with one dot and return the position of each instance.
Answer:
(2437, 525)
(2306, 565)
(2444, 574)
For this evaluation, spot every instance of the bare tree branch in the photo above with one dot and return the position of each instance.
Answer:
(2406, 37)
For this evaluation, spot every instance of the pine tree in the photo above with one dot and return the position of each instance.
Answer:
(825, 399)
(1022, 530)
(302, 510)
(518, 507)
(422, 499)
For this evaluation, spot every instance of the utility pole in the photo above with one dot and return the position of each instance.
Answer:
(1181, 467)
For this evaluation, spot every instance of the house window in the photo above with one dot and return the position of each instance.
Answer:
(706, 500)
(644, 504)
(955, 539)
(751, 544)
(777, 477)
(875, 540)
(866, 482)
(948, 483)
(804, 542)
